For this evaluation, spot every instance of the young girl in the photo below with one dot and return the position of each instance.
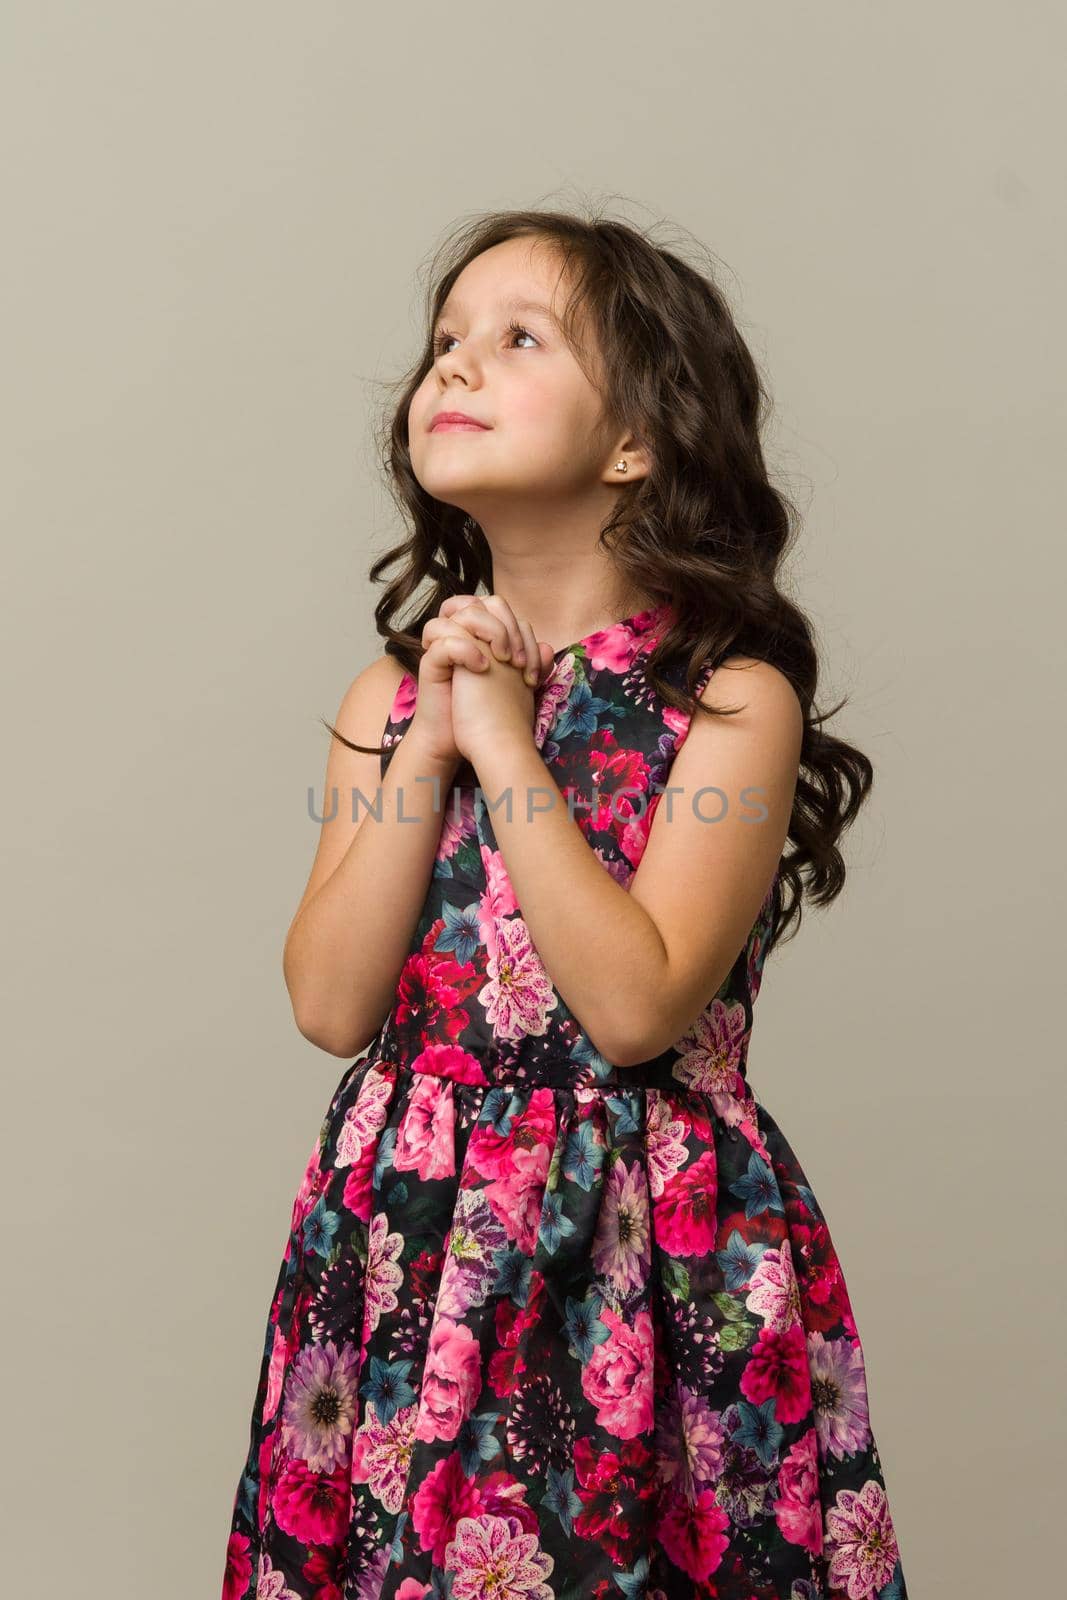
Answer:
(559, 1315)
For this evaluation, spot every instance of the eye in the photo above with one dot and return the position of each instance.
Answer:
(442, 336)
(523, 333)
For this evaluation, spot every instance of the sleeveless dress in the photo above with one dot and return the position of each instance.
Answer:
(546, 1328)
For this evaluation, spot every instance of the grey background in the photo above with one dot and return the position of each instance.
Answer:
(215, 216)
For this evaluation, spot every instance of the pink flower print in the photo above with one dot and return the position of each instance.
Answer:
(743, 1112)
(383, 1277)
(633, 839)
(518, 995)
(666, 1135)
(825, 1296)
(359, 1183)
(620, 782)
(798, 1508)
(494, 1556)
(839, 1395)
(452, 1380)
(271, 1584)
(405, 699)
(551, 697)
(429, 995)
(517, 1198)
(320, 1405)
(238, 1567)
(458, 823)
(275, 1374)
(312, 1506)
(498, 898)
(684, 1216)
(616, 1489)
(778, 1370)
(507, 1364)
(678, 723)
(617, 1379)
(711, 1055)
(450, 1061)
(265, 1464)
(381, 1456)
(860, 1534)
(773, 1291)
(425, 1140)
(308, 1192)
(505, 1496)
(364, 1119)
(412, 1589)
(491, 1153)
(614, 649)
(694, 1534)
(622, 1250)
(446, 1495)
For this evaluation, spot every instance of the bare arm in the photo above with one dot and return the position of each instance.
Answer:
(352, 930)
(636, 966)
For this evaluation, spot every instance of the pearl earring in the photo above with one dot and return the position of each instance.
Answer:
(622, 466)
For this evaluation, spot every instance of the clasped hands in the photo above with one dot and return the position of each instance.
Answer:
(480, 669)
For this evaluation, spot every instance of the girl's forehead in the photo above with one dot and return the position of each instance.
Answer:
(515, 275)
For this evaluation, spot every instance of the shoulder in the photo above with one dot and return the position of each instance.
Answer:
(764, 732)
(760, 692)
(369, 699)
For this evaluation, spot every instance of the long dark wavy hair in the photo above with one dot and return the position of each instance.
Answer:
(705, 530)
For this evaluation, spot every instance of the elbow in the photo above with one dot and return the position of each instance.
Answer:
(331, 1035)
(633, 1050)
(623, 1053)
(318, 1021)
(627, 1042)
(653, 1024)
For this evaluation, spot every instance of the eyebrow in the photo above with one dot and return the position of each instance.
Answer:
(526, 306)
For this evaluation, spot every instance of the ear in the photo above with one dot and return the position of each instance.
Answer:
(638, 461)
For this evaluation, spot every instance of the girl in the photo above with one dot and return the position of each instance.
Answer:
(559, 1314)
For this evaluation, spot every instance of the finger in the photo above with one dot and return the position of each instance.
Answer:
(531, 662)
(454, 646)
(500, 608)
(455, 603)
(484, 624)
(450, 608)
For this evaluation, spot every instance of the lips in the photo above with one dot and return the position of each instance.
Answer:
(457, 420)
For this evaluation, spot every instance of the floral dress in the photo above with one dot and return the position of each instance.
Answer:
(546, 1328)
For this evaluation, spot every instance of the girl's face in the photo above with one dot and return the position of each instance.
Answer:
(502, 360)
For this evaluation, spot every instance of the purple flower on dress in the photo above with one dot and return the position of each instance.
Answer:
(689, 1441)
(320, 1403)
(839, 1395)
(471, 1267)
(622, 1252)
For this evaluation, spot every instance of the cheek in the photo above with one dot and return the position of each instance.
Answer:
(552, 414)
(420, 408)
(531, 406)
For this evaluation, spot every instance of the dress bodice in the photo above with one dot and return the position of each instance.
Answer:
(474, 1002)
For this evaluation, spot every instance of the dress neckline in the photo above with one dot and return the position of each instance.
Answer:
(639, 622)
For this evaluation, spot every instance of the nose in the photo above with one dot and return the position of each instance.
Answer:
(453, 364)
